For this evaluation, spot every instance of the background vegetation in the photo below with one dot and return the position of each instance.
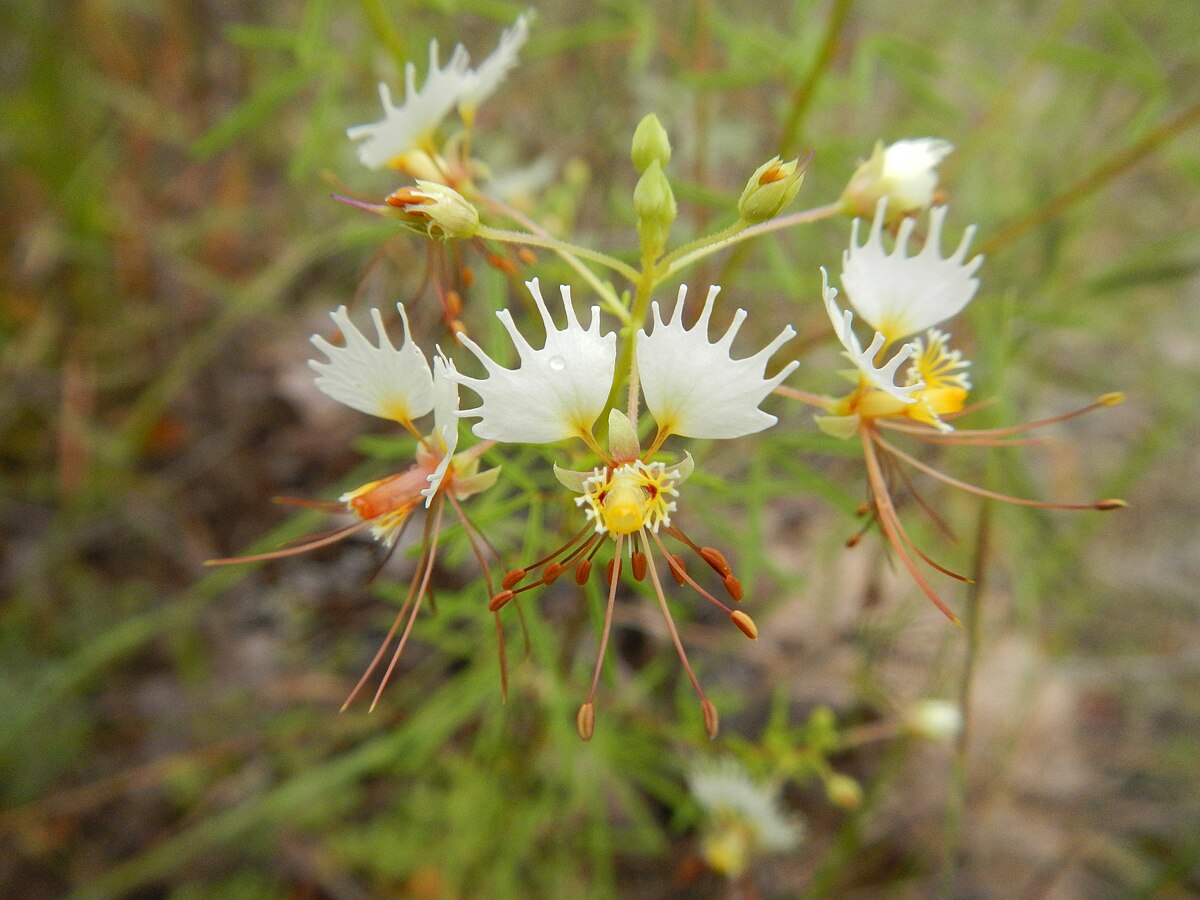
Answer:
(169, 244)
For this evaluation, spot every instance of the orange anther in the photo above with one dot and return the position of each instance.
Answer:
(745, 623)
(512, 578)
(734, 588)
(582, 571)
(678, 569)
(553, 570)
(716, 559)
(639, 565)
(500, 599)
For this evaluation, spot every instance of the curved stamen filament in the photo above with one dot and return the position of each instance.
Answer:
(682, 573)
(890, 523)
(322, 541)
(975, 489)
(608, 615)
(710, 719)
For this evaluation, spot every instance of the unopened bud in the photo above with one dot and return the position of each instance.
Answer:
(639, 565)
(745, 623)
(650, 144)
(843, 791)
(716, 559)
(585, 721)
(500, 599)
(582, 571)
(933, 720)
(712, 722)
(440, 211)
(512, 578)
(773, 186)
(654, 202)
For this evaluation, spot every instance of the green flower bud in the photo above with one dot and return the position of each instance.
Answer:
(654, 202)
(843, 791)
(436, 209)
(650, 143)
(773, 186)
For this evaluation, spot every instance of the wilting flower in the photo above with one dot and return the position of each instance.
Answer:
(742, 817)
(899, 294)
(904, 174)
(692, 387)
(403, 138)
(393, 383)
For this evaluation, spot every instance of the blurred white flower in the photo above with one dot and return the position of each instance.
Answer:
(904, 174)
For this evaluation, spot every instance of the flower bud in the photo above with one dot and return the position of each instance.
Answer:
(933, 720)
(773, 186)
(843, 791)
(650, 144)
(654, 202)
(905, 173)
(439, 210)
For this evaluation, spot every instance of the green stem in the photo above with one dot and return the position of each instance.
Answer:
(807, 89)
(564, 248)
(641, 305)
(716, 239)
(680, 261)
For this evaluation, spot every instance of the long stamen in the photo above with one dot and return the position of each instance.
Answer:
(400, 615)
(1102, 402)
(920, 500)
(984, 492)
(888, 520)
(432, 555)
(304, 503)
(472, 533)
(682, 573)
(711, 722)
(331, 538)
(585, 721)
(803, 396)
(960, 438)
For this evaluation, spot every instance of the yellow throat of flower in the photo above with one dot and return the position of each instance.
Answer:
(630, 497)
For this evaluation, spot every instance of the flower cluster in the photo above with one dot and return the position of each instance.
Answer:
(906, 379)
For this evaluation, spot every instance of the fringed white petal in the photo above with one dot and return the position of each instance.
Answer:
(898, 294)
(910, 170)
(378, 380)
(403, 126)
(556, 392)
(694, 388)
(480, 82)
(445, 423)
(882, 377)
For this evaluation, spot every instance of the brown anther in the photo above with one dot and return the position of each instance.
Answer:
(862, 509)
(585, 721)
(854, 540)
(613, 571)
(1113, 503)
(552, 571)
(582, 571)
(500, 599)
(512, 578)
(527, 256)
(403, 197)
(712, 722)
(504, 264)
(454, 304)
(716, 559)
(678, 569)
(639, 565)
(467, 276)
(734, 588)
(745, 623)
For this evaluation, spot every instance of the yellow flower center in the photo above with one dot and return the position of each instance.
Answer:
(629, 497)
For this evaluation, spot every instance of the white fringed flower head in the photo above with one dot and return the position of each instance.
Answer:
(406, 127)
(556, 392)
(904, 174)
(378, 380)
(882, 377)
(480, 82)
(694, 387)
(898, 294)
(743, 818)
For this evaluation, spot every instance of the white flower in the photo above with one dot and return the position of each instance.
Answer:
(934, 720)
(743, 817)
(556, 392)
(479, 83)
(694, 388)
(404, 127)
(377, 380)
(882, 377)
(898, 294)
(445, 423)
(904, 173)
